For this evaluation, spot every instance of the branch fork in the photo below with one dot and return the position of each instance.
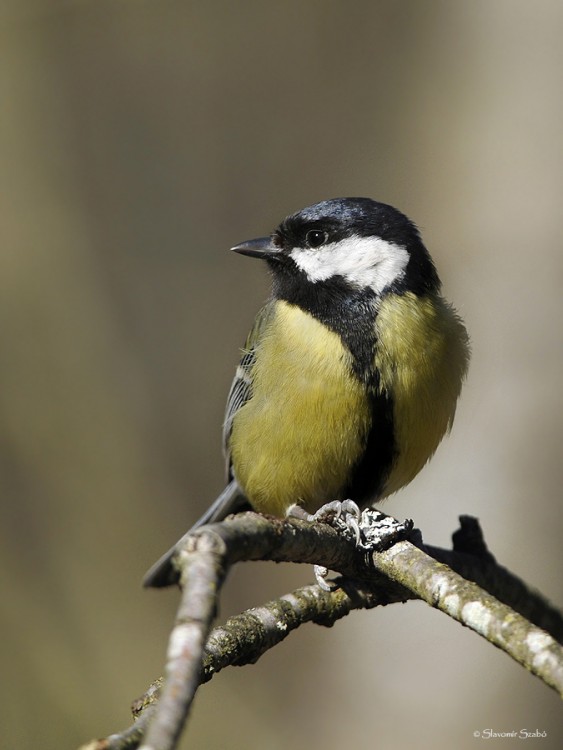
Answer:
(465, 583)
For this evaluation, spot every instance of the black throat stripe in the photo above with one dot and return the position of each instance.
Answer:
(351, 313)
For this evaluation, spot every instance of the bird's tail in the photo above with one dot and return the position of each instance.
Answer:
(231, 500)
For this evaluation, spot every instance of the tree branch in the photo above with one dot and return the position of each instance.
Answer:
(404, 571)
(441, 587)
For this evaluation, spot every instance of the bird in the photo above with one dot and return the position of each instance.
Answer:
(350, 376)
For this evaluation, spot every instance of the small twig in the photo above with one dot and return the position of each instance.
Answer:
(129, 738)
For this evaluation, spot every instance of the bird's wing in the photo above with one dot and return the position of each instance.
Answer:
(241, 388)
(232, 499)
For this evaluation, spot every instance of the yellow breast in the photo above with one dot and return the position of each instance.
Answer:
(422, 356)
(305, 426)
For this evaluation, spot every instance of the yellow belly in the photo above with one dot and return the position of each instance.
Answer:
(304, 429)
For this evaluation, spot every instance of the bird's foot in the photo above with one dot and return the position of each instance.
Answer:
(370, 529)
(343, 516)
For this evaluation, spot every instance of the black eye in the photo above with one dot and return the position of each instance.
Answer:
(315, 238)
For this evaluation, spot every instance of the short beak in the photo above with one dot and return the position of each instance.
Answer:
(263, 247)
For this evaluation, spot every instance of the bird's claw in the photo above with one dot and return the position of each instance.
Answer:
(321, 576)
(371, 530)
(343, 516)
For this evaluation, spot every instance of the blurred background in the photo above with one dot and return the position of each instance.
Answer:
(139, 141)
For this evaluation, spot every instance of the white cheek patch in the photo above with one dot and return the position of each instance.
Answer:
(363, 261)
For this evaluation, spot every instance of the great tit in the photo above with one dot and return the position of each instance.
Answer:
(350, 375)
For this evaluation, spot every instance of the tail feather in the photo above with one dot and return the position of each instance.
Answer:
(231, 500)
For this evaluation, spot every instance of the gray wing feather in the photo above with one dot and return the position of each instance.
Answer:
(241, 388)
